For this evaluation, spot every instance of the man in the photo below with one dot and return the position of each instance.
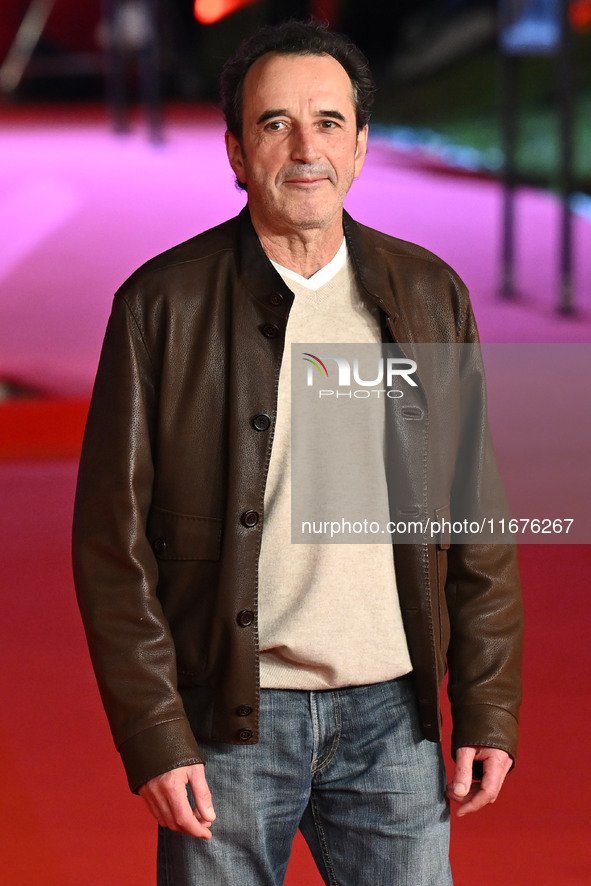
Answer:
(309, 675)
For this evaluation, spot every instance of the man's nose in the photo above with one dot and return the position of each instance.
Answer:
(304, 147)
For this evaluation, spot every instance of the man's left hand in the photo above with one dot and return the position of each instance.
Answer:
(472, 796)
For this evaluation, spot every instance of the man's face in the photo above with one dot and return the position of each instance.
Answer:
(300, 149)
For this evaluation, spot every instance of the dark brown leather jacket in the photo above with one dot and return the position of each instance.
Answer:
(169, 505)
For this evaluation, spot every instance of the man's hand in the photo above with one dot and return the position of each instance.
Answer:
(474, 795)
(166, 797)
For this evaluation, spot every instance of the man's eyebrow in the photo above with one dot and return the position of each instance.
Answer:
(336, 115)
(273, 112)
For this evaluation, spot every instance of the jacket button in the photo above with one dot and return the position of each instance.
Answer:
(245, 618)
(245, 734)
(269, 330)
(261, 422)
(159, 545)
(249, 519)
(275, 299)
(244, 710)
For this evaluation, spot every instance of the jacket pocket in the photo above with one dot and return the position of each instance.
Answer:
(443, 520)
(443, 516)
(176, 536)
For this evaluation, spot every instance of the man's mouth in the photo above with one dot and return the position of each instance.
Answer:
(304, 181)
(306, 177)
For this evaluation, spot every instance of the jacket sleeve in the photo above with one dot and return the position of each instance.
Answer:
(484, 657)
(483, 593)
(115, 570)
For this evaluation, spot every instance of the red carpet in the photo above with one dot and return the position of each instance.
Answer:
(66, 816)
(32, 428)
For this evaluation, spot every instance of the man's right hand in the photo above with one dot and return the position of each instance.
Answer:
(167, 800)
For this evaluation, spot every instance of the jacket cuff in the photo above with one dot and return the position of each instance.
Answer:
(157, 750)
(485, 726)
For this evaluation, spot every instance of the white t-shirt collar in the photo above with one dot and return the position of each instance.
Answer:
(321, 277)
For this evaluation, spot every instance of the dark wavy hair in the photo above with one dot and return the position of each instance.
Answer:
(295, 38)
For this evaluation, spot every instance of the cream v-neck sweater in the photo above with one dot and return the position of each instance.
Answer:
(329, 614)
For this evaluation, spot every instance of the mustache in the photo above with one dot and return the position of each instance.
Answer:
(308, 170)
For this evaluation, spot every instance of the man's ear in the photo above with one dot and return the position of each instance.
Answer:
(236, 157)
(361, 149)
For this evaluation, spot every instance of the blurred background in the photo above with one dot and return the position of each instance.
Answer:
(436, 63)
(111, 150)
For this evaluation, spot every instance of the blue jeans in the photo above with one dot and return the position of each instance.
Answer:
(350, 768)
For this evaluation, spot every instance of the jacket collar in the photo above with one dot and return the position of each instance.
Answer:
(372, 275)
(260, 277)
(256, 271)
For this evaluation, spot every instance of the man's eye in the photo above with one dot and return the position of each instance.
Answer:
(275, 125)
(328, 124)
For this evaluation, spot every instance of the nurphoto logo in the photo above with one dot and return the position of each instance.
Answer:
(386, 372)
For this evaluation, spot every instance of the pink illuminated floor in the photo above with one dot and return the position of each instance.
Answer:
(80, 209)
